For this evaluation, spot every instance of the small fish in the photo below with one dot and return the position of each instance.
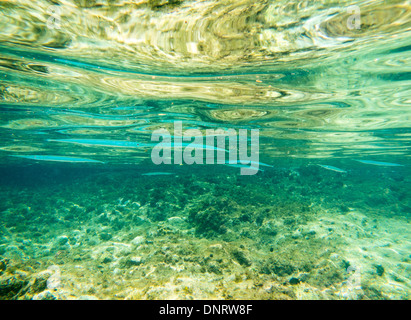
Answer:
(104, 143)
(241, 166)
(250, 162)
(378, 163)
(262, 164)
(130, 144)
(56, 158)
(332, 168)
(156, 173)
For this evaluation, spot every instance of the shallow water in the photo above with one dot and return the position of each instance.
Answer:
(84, 211)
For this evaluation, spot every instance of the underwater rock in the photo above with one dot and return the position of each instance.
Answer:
(277, 266)
(214, 268)
(172, 259)
(176, 221)
(296, 234)
(241, 258)
(40, 281)
(380, 270)
(303, 277)
(3, 265)
(208, 222)
(218, 247)
(42, 253)
(268, 228)
(62, 240)
(14, 252)
(92, 241)
(21, 285)
(106, 258)
(26, 242)
(134, 261)
(138, 240)
(86, 297)
(105, 236)
(140, 220)
(334, 256)
(46, 295)
(62, 243)
(11, 285)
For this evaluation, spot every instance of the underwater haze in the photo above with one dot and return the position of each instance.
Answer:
(87, 87)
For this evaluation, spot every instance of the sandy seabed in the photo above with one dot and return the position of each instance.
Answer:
(303, 233)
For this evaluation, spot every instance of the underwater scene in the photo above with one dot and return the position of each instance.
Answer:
(205, 149)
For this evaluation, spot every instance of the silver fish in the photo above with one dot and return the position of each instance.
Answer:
(379, 163)
(241, 166)
(325, 166)
(103, 142)
(56, 158)
(156, 173)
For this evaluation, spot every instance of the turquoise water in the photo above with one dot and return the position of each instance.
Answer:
(86, 213)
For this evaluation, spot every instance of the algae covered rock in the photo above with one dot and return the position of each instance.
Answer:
(46, 295)
(138, 240)
(87, 297)
(134, 261)
(62, 240)
(210, 216)
(241, 258)
(106, 257)
(105, 236)
(40, 280)
(10, 286)
(3, 265)
(277, 266)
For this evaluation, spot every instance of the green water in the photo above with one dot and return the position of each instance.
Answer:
(86, 214)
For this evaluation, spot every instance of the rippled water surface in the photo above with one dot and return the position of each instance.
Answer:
(86, 83)
(294, 70)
